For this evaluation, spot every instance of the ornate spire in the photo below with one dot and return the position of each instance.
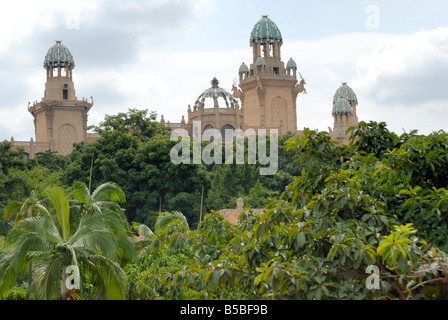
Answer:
(215, 83)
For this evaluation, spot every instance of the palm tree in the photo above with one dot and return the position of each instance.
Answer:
(30, 207)
(49, 241)
(104, 197)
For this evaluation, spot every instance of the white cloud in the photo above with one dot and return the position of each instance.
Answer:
(405, 80)
(121, 64)
(411, 69)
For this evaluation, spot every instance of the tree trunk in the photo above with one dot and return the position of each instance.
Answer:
(30, 274)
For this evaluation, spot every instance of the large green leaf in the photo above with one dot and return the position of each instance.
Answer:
(60, 202)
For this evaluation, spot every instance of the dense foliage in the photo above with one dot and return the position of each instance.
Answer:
(350, 208)
(332, 212)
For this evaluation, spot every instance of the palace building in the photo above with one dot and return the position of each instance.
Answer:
(267, 90)
(264, 97)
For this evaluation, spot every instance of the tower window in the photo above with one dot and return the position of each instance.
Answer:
(65, 94)
(276, 70)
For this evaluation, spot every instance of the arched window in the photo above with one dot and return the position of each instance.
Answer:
(227, 132)
(208, 127)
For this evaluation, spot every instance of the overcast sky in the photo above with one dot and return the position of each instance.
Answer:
(162, 54)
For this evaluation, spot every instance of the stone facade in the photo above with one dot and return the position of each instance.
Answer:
(265, 97)
(267, 90)
(60, 119)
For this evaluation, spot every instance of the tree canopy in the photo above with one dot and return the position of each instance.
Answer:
(333, 214)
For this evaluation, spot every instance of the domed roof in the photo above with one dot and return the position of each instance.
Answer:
(214, 93)
(291, 64)
(243, 68)
(265, 31)
(260, 62)
(343, 100)
(59, 54)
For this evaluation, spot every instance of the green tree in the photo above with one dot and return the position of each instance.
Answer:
(10, 158)
(135, 122)
(52, 243)
(143, 169)
(350, 207)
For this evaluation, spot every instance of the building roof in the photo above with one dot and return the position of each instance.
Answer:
(214, 93)
(343, 100)
(260, 62)
(291, 64)
(265, 31)
(243, 68)
(59, 54)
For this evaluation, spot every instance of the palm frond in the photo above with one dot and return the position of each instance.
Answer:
(81, 193)
(60, 202)
(47, 278)
(109, 191)
(143, 230)
(109, 277)
(12, 209)
(165, 218)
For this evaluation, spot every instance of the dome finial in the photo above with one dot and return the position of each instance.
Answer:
(215, 83)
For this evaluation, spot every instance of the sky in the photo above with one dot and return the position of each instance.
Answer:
(161, 55)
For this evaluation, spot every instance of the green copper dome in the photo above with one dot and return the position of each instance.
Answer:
(243, 68)
(343, 100)
(214, 93)
(59, 54)
(291, 64)
(265, 31)
(260, 62)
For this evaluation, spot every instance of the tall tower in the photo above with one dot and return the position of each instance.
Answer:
(269, 89)
(344, 113)
(60, 119)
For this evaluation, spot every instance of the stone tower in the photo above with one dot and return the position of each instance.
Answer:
(269, 89)
(60, 119)
(344, 113)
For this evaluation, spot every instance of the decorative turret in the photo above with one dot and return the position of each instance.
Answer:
(59, 64)
(260, 63)
(59, 57)
(266, 35)
(60, 118)
(291, 65)
(344, 101)
(243, 71)
(344, 113)
(268, 90)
